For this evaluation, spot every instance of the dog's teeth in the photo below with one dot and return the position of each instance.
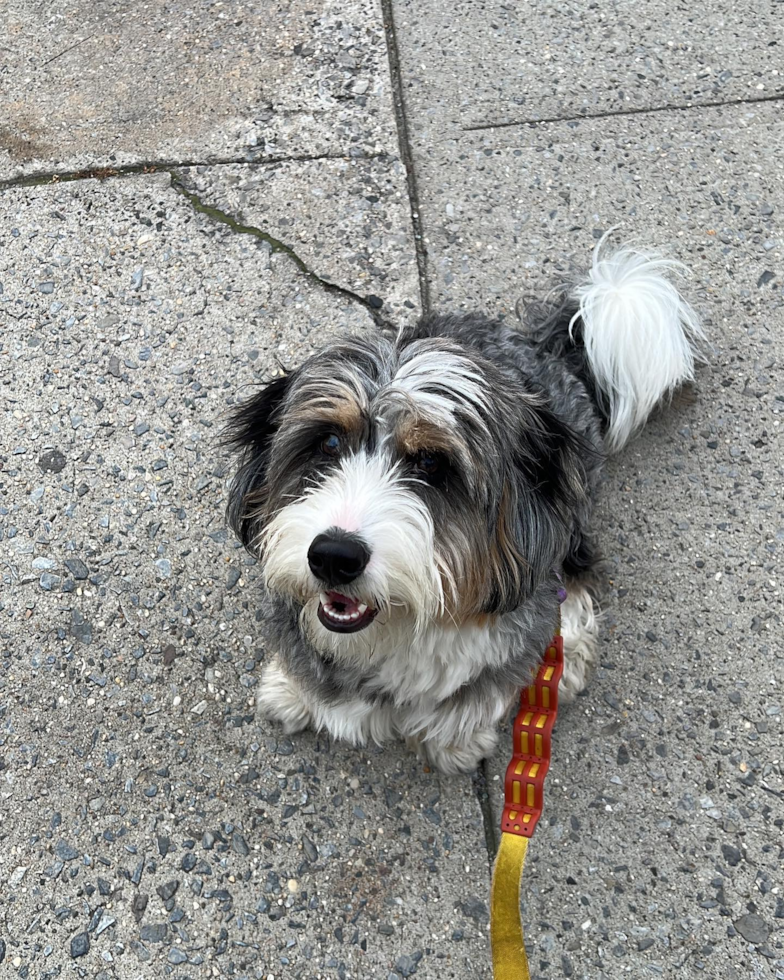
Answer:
(328, 610)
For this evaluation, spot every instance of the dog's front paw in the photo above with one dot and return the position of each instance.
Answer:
(280, 699)
(414, 744)
(462, 757)
(580, 630)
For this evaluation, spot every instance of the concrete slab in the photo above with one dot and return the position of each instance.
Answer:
(157, 829)
(89, 85)
(658, 855)
(503, 211)
(511, 63)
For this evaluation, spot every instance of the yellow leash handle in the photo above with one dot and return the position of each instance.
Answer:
(523, 802)
(506, 931)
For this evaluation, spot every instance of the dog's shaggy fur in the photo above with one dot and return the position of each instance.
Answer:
(414, 501)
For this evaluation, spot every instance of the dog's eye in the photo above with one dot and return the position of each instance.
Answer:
(331, 445)
(429, 464)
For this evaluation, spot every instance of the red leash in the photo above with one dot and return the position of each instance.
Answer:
(523, 802)
(531, 740)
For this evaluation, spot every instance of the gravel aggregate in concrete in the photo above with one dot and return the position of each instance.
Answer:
(157, 826)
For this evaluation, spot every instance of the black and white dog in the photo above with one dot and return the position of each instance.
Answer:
(414, 500)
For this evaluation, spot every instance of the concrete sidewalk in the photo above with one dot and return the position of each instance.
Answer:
(192, 196)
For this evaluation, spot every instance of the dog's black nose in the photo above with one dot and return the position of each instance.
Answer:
(337, 559)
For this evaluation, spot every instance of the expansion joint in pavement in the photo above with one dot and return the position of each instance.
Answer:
(634, 111)
(406, 155)
(148, 167)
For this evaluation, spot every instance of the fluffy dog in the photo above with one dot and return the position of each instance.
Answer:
(415, 500)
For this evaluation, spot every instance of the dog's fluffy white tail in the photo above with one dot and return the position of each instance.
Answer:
(641, 337)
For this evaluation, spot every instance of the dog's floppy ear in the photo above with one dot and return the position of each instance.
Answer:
(543, 484)
(250, 432)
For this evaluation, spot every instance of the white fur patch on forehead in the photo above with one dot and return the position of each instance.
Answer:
(358, 495)
(439, 381)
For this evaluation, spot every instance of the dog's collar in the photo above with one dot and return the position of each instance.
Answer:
(561, 590)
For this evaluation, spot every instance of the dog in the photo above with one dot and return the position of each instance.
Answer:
(416, 500)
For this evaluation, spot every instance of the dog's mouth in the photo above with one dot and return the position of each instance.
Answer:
(341, 614)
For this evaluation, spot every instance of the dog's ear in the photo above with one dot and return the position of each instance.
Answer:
(544, 483)
(250, 432)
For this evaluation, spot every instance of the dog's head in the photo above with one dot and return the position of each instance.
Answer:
(410, 479)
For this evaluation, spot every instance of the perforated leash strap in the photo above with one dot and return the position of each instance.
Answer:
(523, 802)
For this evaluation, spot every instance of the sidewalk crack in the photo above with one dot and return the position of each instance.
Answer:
(481, 783)
(370, 303)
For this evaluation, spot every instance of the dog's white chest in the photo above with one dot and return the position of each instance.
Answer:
(435, 663)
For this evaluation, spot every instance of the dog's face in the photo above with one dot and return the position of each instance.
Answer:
(409, 481)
